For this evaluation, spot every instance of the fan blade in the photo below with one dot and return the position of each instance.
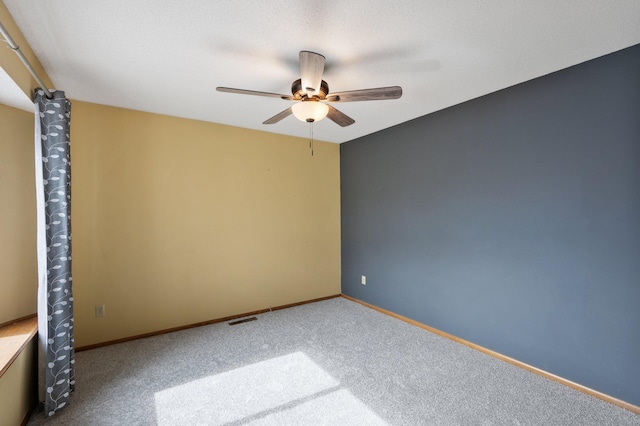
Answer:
(339, 118)
(254, 93)
(284, 114)
(378, 94)
(311, 69)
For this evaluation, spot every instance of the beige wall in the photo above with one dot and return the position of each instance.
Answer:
(18, 387)
(18, 277)
(178, 221)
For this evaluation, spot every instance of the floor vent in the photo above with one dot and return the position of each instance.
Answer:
(243, 320)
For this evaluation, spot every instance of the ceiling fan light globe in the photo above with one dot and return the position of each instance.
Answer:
(310, 111)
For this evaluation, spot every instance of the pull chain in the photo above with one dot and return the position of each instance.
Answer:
(311, 138)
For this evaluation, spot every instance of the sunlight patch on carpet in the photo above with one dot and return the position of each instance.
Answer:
(266, 392)
(339, 407)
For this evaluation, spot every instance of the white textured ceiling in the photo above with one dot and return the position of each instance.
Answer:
(168, 56)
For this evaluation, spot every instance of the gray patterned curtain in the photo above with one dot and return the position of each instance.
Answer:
(56, 377)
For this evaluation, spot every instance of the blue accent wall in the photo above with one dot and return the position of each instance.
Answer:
(511, 221)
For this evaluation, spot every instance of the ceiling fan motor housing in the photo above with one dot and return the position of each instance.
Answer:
(298, 93)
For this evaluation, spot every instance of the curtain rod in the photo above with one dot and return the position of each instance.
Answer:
(13, 46)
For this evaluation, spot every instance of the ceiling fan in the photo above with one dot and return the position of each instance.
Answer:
(311, 94)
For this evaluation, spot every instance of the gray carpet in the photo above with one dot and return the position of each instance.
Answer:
(333, 362)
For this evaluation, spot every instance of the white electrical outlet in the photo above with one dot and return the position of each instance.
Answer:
(99, 310)
(364, 280)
